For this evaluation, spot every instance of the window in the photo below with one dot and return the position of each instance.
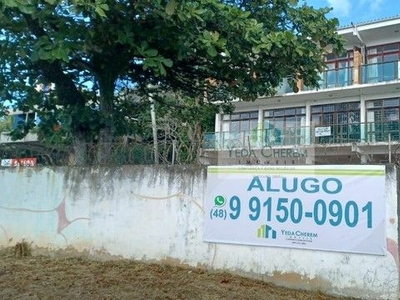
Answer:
(284, 126)
(238, 129)
(339, 70)
(383, 119)
(23, 118)
(382, 62)
(238, 122)
(342, 118)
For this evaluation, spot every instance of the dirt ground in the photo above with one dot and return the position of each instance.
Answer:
(46, 277)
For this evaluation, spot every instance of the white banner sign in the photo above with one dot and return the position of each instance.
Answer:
(334, 208)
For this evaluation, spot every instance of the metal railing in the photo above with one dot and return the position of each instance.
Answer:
(380, 72)
(370, 73)
(370, 132)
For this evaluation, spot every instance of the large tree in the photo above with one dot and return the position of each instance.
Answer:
(85, 53)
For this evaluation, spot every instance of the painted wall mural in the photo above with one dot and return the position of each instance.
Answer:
(62, 219)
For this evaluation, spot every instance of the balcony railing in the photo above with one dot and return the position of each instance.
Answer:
(380, 72)
(370, 73)
(334, 78)
(371, 132)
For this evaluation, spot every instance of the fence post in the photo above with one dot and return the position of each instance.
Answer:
(154, 127)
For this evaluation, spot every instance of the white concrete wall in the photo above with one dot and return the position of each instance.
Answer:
(156, 213)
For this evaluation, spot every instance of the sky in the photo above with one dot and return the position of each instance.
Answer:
(358, 11)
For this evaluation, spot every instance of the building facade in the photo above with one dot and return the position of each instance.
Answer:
(17, 118)
(353, 117)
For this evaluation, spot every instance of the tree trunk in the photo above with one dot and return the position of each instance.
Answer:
(80, 157)
(105, 146)
(197, 143)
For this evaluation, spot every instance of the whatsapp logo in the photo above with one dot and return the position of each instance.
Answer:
(219, 200)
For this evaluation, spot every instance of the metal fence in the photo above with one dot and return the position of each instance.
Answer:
(369, 132)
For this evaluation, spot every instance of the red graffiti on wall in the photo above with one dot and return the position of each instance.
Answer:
(63, 221)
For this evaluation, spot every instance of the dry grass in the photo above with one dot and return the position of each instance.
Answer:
(23, 249)
(42, 277)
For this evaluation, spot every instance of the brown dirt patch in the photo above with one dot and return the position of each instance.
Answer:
(44, 277)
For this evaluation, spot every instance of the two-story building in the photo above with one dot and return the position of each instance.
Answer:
(354, 116)
(17, 118)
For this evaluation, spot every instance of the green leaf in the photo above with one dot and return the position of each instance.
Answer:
(10, 3)
(299, 51)
(256, 49)
(161, 70)
(227, 53)
(171, 7)
(62, 53)
(100, 12)
(167, 62)
(151, 52)
(27, 9)
(215, 36)
(51, 2)
(212, 51)
(104, 6)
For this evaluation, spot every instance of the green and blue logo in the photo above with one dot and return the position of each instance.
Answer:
(266, 232)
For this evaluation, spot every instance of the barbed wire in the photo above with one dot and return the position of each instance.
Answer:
(172, 152)
(118, 153)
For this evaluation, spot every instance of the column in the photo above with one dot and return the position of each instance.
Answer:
(358, 61)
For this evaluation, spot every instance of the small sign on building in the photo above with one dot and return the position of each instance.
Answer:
(16, 162)
(323, 131)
